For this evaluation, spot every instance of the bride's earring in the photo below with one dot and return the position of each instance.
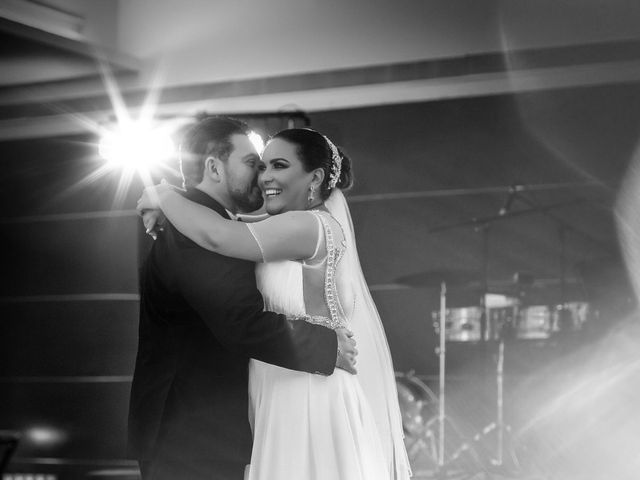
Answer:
(310, 198)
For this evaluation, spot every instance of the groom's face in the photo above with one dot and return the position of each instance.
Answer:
(241, 174)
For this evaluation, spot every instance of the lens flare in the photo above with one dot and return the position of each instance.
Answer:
(136, 145)
(257, 141)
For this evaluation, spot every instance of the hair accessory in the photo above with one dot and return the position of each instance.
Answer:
(336, 164)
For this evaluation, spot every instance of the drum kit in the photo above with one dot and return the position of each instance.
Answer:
(494, 319)
(497, 321)
(513, 321)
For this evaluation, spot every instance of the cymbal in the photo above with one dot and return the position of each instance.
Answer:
(543, 291)
(489, 219)
(433, 278)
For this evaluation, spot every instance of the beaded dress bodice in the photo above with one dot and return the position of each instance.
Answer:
(316, 286)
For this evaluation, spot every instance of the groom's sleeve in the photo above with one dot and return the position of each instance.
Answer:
(224, 293)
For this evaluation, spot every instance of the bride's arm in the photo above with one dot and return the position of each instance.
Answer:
(290, 236)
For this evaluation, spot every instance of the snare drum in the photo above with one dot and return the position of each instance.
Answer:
(461, 324)
(535, 322)
(572, 317)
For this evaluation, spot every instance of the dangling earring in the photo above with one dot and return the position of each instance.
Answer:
(310, 198)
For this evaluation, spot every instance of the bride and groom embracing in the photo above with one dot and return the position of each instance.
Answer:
(221, 381)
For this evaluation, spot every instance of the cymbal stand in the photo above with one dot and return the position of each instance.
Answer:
(499, 426)
(485, 332)
(501, 429)
(440, 447)
(442, 357)
(503, 445)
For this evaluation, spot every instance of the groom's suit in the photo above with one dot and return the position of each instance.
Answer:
(201, 318)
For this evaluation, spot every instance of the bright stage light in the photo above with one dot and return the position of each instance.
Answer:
(136, 146)
(257, 141)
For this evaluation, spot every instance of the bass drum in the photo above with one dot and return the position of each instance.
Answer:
(419, 410)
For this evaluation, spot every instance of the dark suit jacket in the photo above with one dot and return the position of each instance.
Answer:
(201, 318)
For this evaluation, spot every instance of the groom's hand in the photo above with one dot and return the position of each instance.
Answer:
(347, 351)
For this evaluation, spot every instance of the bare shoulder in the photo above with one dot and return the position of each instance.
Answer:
(298, 222)
(302, 218)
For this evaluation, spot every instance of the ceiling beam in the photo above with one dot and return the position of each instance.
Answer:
(28, 113)
(614, 56)
(58, 29)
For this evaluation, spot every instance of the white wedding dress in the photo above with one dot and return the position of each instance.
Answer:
(314, 427)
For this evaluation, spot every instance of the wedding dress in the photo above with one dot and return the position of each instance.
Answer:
(313, 427)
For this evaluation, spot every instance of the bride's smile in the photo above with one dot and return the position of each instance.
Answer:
(283, 178)
(272, 192)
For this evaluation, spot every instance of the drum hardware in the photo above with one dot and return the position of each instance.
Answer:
(418, 407)
(503, 323)
(442, 465)
(549, 321)
(501, 329)
(442, 359)
(420, 420)
(534, 322)
(487, 329)
(466, 324)
(501, 429)
(432, 437)
(507, 318)
(571, 317)
(462, 324)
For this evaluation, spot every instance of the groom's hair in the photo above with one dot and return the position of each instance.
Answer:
(210, 137)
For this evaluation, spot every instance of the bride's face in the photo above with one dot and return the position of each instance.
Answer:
(283, 179)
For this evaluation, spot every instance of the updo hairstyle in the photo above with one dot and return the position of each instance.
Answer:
(314, 151)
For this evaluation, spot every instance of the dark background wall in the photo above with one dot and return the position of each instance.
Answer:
(69, 307)
(70, 251)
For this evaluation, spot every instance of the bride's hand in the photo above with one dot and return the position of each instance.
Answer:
(150, 198)
(153, 221)
(148, 208)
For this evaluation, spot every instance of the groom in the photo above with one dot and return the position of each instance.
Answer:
(201, 319)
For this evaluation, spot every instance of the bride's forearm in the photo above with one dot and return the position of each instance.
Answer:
(209, 229)
(201, 224)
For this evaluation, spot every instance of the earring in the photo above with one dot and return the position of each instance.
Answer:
(310, 198)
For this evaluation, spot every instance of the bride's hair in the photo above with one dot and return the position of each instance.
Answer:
(314, 152)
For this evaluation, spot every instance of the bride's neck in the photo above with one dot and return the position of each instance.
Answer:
(316, 206)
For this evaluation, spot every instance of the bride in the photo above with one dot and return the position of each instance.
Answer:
(340, 427)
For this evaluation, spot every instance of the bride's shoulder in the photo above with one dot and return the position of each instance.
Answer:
(298, 215)
(316, 221)
(330, 224)
(297, 219)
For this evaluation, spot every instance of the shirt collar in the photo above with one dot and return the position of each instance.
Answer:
(198, 196)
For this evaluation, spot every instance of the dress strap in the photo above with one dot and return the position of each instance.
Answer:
(330, 289)
(312, 259)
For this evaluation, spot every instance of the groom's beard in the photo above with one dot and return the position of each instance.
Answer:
(248, 199)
